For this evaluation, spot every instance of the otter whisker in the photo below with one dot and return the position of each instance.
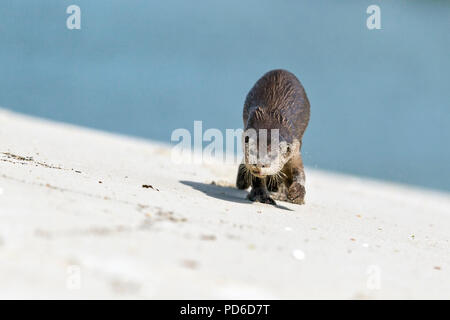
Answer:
(271, 181)
(248, 174)
(282, 174)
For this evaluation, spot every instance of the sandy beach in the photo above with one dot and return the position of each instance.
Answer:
(88, 214)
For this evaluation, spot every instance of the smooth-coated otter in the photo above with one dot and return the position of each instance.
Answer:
(275, 171)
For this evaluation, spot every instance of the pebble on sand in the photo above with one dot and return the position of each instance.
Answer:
(298, 254)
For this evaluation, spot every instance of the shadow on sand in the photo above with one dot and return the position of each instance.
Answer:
(223, 193)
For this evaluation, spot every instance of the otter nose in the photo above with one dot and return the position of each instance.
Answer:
(263, 165)
(256, 169)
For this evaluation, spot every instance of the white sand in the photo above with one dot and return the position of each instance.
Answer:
(65, 235)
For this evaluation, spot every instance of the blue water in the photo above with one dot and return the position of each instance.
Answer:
(380, 99)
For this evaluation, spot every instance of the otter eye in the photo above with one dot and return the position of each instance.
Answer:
(246, 139)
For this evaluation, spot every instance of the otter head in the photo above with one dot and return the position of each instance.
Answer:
(266, 151)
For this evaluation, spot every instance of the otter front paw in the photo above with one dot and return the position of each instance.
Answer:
(260, 195)
(296, 193)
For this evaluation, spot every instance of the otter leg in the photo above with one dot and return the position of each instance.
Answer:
(277, 188)
(259, 191)
(281, 193)
(296, 191)
(242, 179)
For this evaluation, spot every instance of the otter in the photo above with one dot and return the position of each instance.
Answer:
(276, 114)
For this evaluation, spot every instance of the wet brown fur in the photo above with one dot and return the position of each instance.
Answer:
(277, 101)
